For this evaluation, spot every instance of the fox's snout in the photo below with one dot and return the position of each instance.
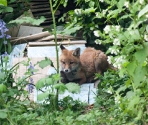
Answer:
(67, 70)
(66, 67)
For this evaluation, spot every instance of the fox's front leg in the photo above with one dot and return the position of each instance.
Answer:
(63, 76)
(82, 80)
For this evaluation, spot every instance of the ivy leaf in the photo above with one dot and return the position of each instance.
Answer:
(73, 87)
(143, 11)
(3, 114)
(45, 63)
(29, 20)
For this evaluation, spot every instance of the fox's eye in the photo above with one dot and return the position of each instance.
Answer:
(71, 62)
(63, 62)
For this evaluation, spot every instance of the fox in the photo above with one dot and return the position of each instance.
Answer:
(81, 68)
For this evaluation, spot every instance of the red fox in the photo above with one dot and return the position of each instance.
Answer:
(82, 68)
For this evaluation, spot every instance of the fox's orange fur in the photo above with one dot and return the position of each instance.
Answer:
(81, 68)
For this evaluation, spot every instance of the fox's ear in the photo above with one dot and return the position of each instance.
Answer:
(62, 47)
(76, 52)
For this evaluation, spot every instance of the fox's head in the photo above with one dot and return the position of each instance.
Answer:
(69, 59)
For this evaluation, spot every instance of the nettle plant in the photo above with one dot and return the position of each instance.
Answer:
(128, 51)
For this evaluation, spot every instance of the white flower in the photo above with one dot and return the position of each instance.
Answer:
(104, 12)
(146, 37)
(146, 15)
(109, 91)
(116, 65)
(117, 28)
(117, 100)
(109, 59)
(126, 4)
(141, 1)
(96, 33)
(119, 61)
(97, 41)
(107, 29)
(101, 0)
(78, 11)
(114, 51)
(116, 42)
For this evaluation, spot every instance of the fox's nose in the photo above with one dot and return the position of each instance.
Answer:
(66, 70)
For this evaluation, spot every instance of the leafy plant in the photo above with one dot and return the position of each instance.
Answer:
(127, 44)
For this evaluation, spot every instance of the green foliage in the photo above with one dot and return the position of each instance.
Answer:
(122, 94)
(4, 9)
(121, 26)
(45, 63)
(3, 2)
(73, 87)
(29, 20)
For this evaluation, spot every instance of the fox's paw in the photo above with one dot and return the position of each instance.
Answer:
(63, 77)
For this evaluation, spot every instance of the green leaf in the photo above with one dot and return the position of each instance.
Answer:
(147, 28)
(120, 4)
(91, 4)
(42, 96)
(143, 11)
(139, 116)
(49, 81)
(56, 77)
(4, 9)
(90, 10)
(139, 75)
(45, 63)
(3, 2)
(60, 86)
(140, 56)
(25, 63)
(133, 102)
(122, 88)
(2, 88)
(73, 87)
(3, 114)
(135, 34)
(29, 20)
(69, 30)
(128, 82)
(2, 75)
(131, 67)
(40, 83)
(9, 48)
